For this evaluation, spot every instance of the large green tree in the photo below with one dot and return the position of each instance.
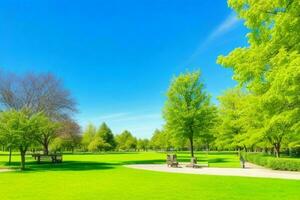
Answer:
(22, 128)
(269, 67)
(188, 111)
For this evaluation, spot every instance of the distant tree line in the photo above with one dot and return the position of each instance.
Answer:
(102, 139)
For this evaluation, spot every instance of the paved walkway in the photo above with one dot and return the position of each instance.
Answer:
(5, 170)
(250, 171)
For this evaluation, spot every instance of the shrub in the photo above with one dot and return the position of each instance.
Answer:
(290, 164)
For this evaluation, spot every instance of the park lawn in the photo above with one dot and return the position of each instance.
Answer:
(104, 177)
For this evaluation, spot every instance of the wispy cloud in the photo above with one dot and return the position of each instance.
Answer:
(225, 26)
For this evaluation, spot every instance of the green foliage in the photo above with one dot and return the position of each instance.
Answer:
(98, 144)
(160, 140)
(269, 68)
(20, 128)
(274, 163)
(107, 136)
(70, 134)
(125, 141)
(47, 131)
(57, 144)
(88, 135)
(143, 144)
(188, 111)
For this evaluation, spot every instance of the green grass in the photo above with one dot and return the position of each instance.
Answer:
(103, 177)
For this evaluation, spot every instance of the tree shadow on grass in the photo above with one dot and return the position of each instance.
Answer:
(153, 161)
(218, 160)
(64, 166)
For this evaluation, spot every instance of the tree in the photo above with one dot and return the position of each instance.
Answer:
(269, 67)
(57, 144)
(69, 133)
(231, 128)
(22, 128)
(88, 136)
(125, 141)
(47, 132)
(106, 134)
(160, 140)
(188, 111)
(142, 144)
(36, 92)
(97, 144)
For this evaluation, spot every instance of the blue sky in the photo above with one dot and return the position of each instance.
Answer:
(117, 57)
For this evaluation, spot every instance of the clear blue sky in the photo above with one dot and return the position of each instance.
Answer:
(117, 57)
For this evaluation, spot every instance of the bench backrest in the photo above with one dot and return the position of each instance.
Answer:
(171, 158)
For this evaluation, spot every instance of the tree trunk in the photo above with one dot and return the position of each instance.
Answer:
(277, 149)
(23, 153)
(192, 147)
(46, 149)
(9, 157)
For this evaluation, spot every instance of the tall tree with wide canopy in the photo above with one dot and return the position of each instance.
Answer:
(37, 93)
(270, 66)
(188, 111)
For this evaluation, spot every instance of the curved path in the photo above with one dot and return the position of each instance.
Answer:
(5, 170)
(250, 171)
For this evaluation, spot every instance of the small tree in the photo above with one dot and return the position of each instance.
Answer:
(88, 136)
(125, 141)
(188, 111)
(106, 134)
(69, 133)
(143, 144)
(97, 144)
(160, 140)
(22, 127)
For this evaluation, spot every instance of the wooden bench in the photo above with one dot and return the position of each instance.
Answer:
(194, 163)
(172, 160)
(54, 158)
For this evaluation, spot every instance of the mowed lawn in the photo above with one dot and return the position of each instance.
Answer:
(103, 176)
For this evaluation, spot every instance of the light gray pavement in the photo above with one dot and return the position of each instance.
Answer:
(251, 170)
(5, 170)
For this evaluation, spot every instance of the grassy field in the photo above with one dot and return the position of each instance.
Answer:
(103, 177)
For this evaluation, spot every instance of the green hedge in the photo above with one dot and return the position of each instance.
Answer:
(290, 164)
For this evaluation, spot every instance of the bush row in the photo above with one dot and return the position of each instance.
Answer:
(290, 164)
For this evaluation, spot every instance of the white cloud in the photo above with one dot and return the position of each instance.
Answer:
(225, 26)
